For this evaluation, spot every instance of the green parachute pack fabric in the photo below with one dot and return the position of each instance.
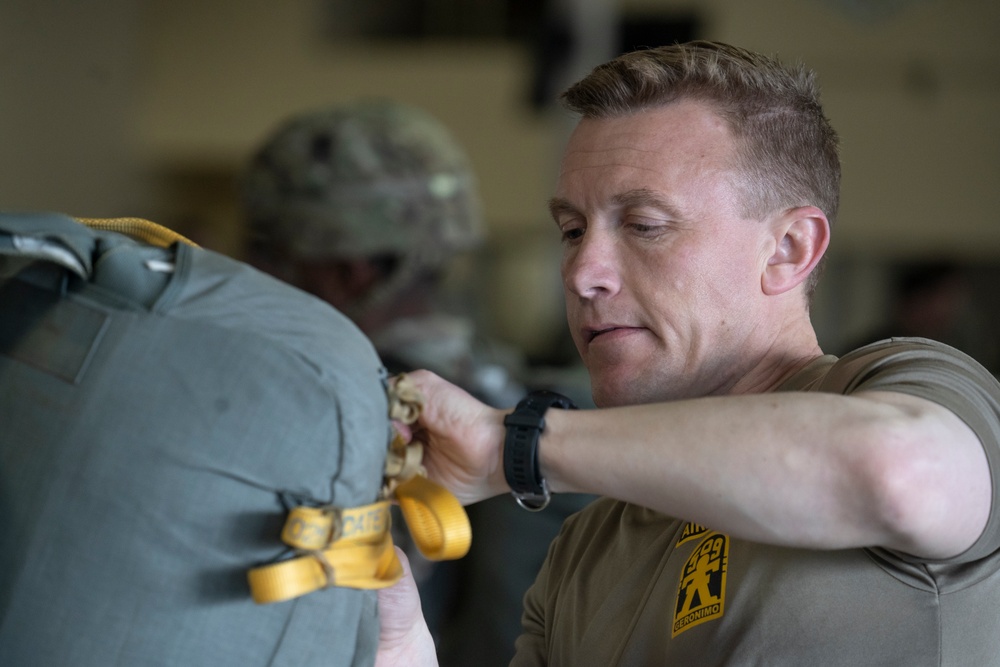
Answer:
(161, 409)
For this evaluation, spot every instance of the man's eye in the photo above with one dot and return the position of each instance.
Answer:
(572, 233)
(644, 225)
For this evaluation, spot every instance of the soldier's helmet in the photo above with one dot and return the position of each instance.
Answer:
(372, 179)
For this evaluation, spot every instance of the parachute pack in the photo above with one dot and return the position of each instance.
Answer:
(196, 459)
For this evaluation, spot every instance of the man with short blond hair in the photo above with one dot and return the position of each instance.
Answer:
(764, 502)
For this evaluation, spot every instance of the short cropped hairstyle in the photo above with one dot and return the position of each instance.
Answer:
(787, 153)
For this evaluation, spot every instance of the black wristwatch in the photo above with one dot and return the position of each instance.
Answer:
(520, 447)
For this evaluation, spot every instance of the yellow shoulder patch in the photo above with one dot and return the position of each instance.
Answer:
(701, 591)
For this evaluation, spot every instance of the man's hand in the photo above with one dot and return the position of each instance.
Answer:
(463, 439)
(403, 637)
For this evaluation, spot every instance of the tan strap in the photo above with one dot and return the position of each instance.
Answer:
(139, 229)
(405, 400)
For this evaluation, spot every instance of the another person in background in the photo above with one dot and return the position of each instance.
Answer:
(763, 502)
(366, 206)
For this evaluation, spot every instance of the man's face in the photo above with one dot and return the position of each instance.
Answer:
(661, 271)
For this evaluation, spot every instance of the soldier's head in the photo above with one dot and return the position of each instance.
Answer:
(359, 203)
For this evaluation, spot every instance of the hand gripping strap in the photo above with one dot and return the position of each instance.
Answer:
(436, 520)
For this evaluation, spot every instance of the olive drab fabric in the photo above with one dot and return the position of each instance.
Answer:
(161, 411)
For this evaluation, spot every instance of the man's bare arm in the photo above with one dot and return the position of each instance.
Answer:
(799, 469)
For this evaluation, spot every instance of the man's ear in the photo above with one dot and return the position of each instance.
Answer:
(802, 235)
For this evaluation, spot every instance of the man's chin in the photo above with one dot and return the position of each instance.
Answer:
(610, 395)
(611, 392)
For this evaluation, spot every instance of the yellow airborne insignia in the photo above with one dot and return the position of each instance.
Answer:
(690, 532)
(701, 591)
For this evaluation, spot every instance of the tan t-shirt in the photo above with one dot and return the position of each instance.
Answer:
(624, 585)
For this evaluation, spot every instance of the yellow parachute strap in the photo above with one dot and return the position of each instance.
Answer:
(436, 520)
(139, 229)
(350, 548)
(353, 547)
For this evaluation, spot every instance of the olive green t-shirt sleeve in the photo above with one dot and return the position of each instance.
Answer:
(943, 375)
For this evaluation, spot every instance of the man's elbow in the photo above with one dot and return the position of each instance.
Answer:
(931, 487)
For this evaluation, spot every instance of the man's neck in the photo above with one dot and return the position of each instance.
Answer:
(793, 347)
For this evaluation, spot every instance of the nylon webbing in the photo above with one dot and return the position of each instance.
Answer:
(436, 520)
(350, 548)
(139, 229)
(353, 547)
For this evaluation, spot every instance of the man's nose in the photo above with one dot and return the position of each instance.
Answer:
(590, 269)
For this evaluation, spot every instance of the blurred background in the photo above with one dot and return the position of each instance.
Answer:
(151, 109)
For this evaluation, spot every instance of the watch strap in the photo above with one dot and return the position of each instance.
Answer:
(524, 427)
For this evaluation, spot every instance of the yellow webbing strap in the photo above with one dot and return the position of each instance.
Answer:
(353, 547)
(437, 521)
(139, 229)
(350, 548)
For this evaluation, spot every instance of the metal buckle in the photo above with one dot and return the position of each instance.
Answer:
(534, 502)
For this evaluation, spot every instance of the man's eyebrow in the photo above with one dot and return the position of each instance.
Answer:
(629, 198)
(558, 205)
(646, 197)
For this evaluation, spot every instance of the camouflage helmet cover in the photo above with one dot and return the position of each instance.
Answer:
(372, 178)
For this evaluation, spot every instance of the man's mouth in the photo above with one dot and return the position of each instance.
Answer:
(594, 333)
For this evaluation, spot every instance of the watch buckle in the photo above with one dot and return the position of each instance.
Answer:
(534, 502)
